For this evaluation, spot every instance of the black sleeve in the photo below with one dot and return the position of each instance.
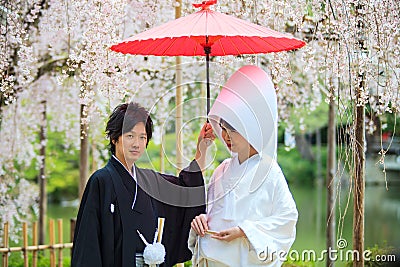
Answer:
(190, 176)
(176, 232)
(86, 250)
(178, 219)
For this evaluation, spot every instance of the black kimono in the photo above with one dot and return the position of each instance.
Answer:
(110, 215)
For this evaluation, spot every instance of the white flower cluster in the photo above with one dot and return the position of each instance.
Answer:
(18, 198)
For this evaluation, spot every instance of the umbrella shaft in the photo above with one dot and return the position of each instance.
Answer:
(208, 82)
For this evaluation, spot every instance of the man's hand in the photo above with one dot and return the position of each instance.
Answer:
(206, 137)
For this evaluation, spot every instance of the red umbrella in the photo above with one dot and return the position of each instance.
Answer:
(208, 33)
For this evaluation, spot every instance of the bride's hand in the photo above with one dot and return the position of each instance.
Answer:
(229, 234)
(200, 225)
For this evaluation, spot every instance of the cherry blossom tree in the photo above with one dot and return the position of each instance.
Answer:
(361, 66)
(55, 60)
(18, 68)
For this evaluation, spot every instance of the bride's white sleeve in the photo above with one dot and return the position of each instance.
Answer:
(275, 229)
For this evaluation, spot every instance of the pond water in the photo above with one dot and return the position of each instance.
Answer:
(382, 214)
(382, 219)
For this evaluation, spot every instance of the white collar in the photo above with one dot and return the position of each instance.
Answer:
(254, 158)
(133, 173)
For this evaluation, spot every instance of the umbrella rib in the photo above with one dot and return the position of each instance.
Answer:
(198, 18)
(263, 40)
(266, 41)
(283, 47)
(245, 25)
(153, 46)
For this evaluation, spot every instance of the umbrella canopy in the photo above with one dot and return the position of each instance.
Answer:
(208, 33)
(227, 35)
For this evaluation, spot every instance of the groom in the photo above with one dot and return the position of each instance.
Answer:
(122, 199)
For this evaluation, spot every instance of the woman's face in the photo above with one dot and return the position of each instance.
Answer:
(234, 141)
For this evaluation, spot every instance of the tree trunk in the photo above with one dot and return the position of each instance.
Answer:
(179, 106)
(304, 147)
(178, 101)
(84, 153)
(359, 149)
(178, 116)
(319, 183)
(1, 110)
(162, 156)
(330, 182)
(359, 185)
(42, 176)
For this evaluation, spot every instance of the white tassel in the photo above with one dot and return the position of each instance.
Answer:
(154, 254)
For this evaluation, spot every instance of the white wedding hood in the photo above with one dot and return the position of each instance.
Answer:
(248, 103)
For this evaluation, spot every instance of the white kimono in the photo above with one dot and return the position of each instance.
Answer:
(267, 216)
(253, 195)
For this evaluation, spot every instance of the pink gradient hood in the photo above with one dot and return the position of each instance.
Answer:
(248, 102)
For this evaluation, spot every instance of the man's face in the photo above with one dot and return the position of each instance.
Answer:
(131, 145)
